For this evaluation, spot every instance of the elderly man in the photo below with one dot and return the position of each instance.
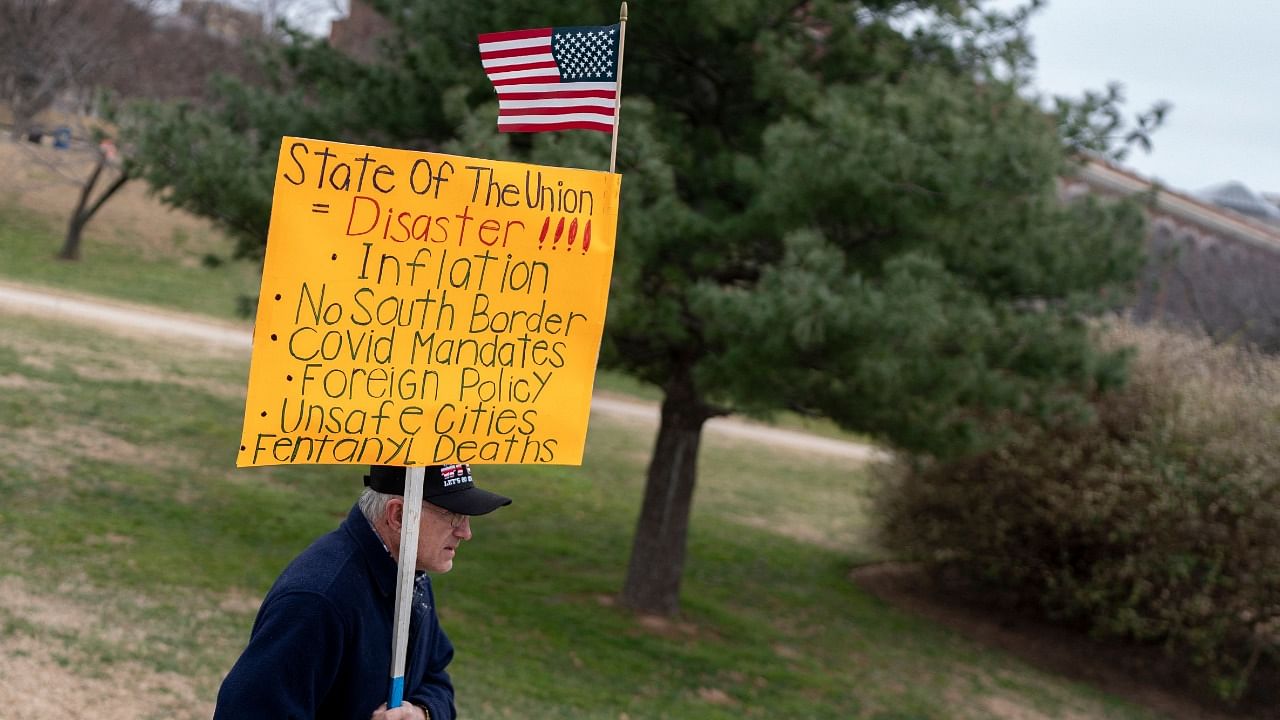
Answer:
(321, 645)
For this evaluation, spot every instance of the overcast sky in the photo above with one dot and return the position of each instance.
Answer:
(1217, 62)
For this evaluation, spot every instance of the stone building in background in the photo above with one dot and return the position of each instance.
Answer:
(1212, 268)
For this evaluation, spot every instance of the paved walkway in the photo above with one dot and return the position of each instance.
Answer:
(18, 298)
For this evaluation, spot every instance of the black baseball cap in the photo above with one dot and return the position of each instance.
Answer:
(448, 486)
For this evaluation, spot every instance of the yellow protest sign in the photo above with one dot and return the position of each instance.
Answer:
(419, 308)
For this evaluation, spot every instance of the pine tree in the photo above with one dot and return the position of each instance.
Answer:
(840, 208)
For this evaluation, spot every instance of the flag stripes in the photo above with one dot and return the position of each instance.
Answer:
(553, 78)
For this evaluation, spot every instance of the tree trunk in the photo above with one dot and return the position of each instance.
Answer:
(658, 549)
(71, 243)
(21, 126)
(81, 215)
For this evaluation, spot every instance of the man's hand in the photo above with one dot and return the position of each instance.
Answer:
(404, 712)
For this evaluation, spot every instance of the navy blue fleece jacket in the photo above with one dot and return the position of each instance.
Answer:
(321, 645)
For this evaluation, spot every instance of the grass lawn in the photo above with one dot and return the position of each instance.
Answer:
(133, 554)
(134, 249)
(178, 278)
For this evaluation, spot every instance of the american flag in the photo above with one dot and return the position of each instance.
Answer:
(563, 78)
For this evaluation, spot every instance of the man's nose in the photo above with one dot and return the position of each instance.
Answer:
(464, 530)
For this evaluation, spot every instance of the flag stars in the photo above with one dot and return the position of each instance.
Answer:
(585, 54)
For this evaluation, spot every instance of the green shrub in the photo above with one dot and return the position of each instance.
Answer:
(1157, 521)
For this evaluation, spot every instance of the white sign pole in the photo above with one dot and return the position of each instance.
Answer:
(413, 478)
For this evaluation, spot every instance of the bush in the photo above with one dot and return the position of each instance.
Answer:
(1158, 520)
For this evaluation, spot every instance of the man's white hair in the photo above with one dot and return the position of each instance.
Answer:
(373, 504)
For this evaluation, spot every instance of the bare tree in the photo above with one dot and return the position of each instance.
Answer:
(88, 49)
(174, 61)
(55, 47)
(88, 205)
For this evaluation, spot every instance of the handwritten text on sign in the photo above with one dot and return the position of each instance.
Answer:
(419, 308)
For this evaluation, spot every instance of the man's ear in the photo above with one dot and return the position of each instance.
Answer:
(395, 513)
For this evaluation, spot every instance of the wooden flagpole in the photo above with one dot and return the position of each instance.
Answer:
(617, 105)
(406, 563)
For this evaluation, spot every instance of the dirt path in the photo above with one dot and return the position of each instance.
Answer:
(128, 318)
